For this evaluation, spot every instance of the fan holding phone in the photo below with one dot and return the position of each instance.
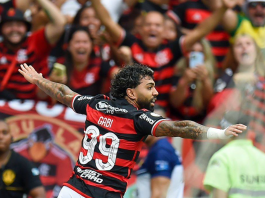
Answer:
(193, 86)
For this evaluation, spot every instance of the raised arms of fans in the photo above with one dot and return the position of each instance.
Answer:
(192, 130)
(208, 24)
(112, 27)
(55, 27)
(58, 91)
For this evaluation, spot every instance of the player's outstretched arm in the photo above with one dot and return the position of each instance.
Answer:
(192, 130)
(58, 91)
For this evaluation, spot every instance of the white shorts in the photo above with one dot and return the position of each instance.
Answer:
(69, 193)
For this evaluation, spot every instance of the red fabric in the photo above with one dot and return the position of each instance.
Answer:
(33, 51)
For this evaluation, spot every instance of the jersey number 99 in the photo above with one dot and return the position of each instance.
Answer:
(110, 152)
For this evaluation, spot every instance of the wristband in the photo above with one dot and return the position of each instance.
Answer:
(214, 133)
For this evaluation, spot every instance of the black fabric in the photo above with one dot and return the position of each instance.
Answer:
(18, 177)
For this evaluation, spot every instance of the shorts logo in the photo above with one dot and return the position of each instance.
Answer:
(9, 177)
(104, 106)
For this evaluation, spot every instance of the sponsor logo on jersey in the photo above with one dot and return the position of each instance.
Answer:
(90, 174)
(85, 98)
(104, 106)
(147, 119)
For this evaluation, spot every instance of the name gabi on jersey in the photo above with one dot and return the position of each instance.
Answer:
(146, 118)
(107, 122)
(90, 174)
(104, 106)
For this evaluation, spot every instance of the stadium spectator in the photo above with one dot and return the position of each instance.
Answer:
(252, 23)
(250, 61)
(236, 170)
(54, 164)
(172, 30)
(161, 175)
(17, 47)
(193, 86)
(150, 48)
(189, 14)
(18, 177)
(86, 72)
(115, 129)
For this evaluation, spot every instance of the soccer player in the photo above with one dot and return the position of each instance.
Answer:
(115, 129)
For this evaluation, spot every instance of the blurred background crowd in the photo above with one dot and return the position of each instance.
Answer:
(207, 56)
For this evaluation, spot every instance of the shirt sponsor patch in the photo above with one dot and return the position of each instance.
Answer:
(107, 108)
(146, 118)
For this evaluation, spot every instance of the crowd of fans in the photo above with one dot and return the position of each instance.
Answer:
(207, 55)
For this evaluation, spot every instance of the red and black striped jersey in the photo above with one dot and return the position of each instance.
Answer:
(161, 61)
(89, 81)
(112, 141)
(33, 51)
(190, 14)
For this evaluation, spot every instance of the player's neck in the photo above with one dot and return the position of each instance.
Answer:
(132, 102)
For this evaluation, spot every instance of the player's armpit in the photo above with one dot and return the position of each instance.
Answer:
(185, 129)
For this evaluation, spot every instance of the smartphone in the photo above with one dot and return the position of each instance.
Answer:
(59, 69)
(196, 58)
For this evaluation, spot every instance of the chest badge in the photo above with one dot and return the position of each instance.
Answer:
(9, 177)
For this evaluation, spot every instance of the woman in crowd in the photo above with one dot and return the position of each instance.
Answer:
(85, 71)
(193, 83)
(250, 71)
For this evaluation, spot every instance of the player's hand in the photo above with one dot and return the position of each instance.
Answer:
(29, 73)
(234, 130)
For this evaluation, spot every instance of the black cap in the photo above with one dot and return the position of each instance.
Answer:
(13, 15)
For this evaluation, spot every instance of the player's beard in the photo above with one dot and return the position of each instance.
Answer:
(145, 104)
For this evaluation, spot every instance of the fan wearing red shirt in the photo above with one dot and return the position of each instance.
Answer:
(18, 46)
(152, 50)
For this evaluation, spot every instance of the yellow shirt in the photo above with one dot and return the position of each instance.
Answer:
(244, 26)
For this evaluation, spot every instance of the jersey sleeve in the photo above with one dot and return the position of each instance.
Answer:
(127, 39)
(217, 175)
(30, 176)
(147, 122)
(159, 165)
(79, 103)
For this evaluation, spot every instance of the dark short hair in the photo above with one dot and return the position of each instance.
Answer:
(129, 77)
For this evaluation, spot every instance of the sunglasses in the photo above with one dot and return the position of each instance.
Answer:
(255, 4)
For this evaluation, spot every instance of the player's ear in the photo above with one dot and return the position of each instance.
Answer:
(131, 93)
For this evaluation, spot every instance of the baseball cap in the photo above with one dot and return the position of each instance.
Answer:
(13, 15)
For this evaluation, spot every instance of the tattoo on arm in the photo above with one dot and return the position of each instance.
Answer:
(58, 91)
(185, 129)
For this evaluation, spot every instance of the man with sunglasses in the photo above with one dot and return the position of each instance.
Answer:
(253, 23)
